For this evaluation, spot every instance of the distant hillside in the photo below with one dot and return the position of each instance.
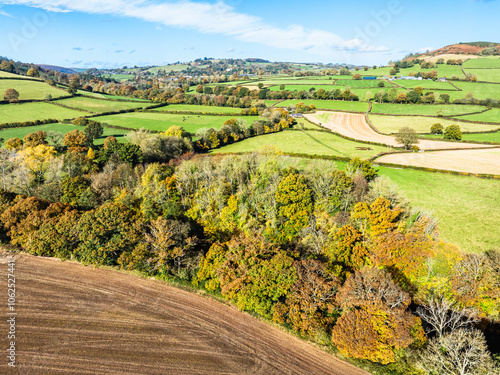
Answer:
(58, 69)
(473, 48)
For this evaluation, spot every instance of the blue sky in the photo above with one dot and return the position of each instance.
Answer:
(114, 33)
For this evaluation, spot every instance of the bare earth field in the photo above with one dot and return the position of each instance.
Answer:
(73, 319)
(355, 126)
(472, 161)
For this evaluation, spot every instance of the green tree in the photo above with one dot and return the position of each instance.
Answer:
(437, 128)
(364, 166)
(92, 131)
(407, 137)
(32, 72)
(381, 84)
(7, 66)
(72, 189)
(453, 132)
(74, 85)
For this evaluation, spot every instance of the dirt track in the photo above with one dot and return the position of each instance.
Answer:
(472, 161)
(79, 320)
(355, 126)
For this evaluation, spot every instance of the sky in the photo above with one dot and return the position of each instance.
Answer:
(117, 33)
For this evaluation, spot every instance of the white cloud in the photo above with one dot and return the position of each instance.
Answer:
(218, 18)
(4, 13)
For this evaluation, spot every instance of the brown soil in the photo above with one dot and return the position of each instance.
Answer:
(80, 320)
(472, 161)
(355, 126)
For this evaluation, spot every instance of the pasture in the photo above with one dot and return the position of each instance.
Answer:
(392, 124)
(479, 90)
(63, 128)
(30, 90)
(356, 83)
(100, 106)
(457, 202)
(308, 142)
(162, 121)
(483, 62)
(477, 137)
(11, 75)
(302, 87)
(426, 84)
(36, 111)
(201, 109)
(424, 109)
(493, 115)
(339, 105)
(487, 75)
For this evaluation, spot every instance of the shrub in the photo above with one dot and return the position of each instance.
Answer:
(453, 132)
(437, 129)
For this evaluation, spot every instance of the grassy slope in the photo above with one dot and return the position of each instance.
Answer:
(99, 106)
(392, 124)
(30, 90)
(308, 142)
(425, 84)
(162, 121)
(481, 137)
(303, 87)
(35, 111)
(198, 109)
(63, 128)
(11, 75)
(493, 115)
(424, 109)
(488, 75)
(483, 62)
(459, 202)
(329, 104)
(352, 83)
(480, 90)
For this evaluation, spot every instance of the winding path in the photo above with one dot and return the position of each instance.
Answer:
(355, 126)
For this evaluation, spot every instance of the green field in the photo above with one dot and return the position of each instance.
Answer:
(100, 106)
(35, 111)
(425, 84)
(106, 96)
(198, 109)
(458, 202)
(305, 142)
(424, 109)
(493, 115)
(355, 83)
(162, 121)
(304, 87)
(11, 75)
(479, 137)
(480, 90)
(168, 68)
(29, 90)
(483, 62)
(338, 105)
(488, 75)
(63, 128)
(392, 124)
(120, 77)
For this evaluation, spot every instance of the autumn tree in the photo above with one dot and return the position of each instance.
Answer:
(14, 144)
(7, 66)
(294, 203)
(32, 72)
(76, 141)
(35, 139)
(407, 137)
(12, 95)
(364, 166)
(437, 129)
(37, 159)
(357, 76)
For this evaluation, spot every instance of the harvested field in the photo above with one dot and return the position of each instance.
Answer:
(81, 320)
(355, 126)
(472, 161)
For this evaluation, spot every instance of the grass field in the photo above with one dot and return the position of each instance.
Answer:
(99, 106)
(424, 109)
(63, 128)
(425, 84)
(106, 96)
(480, 137)
(162, 121)
(458, 202)
(339, 105)
(480, 90)
(11, 75)
(483, 62)
(35, 111)
(493, 115)
(305, 142)
(488, 75)
(30, 89)
(198, 109)
(304, 87)
(392, 124)
(354, 83)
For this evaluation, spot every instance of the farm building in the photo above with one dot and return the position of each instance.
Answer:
(369, 78)
(411, 78)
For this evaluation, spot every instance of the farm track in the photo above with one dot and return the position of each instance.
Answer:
(355, 126)
(80, 320)
(485, 161)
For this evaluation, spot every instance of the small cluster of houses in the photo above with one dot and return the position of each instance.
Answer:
(412, 78)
